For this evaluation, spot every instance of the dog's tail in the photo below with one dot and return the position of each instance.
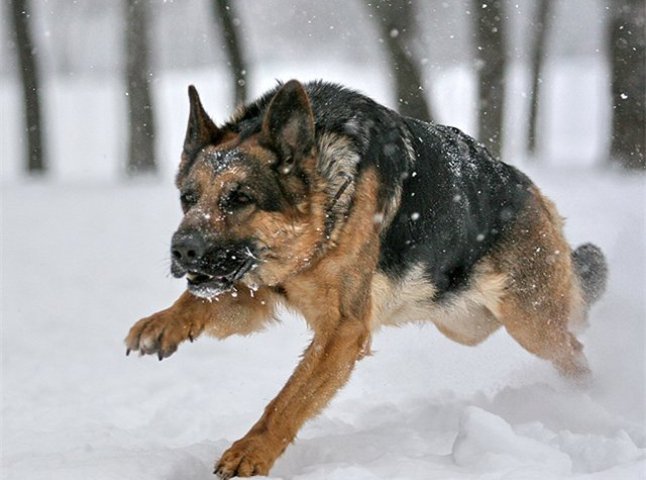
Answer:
(592, 270)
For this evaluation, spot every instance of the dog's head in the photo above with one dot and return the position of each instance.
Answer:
(249, 195)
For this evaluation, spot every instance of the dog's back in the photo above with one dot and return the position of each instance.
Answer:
(457, 201)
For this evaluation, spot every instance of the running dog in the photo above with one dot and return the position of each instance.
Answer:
(316, 197)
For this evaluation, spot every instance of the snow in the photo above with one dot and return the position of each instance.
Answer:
(82, 263)
(487, 442)
(83, 260)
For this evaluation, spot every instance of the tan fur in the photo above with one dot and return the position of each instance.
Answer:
(242, 312)
(292, 237)
(543, 294)
(341, 282)
(526, 284)
(467, 317)
(340, 279)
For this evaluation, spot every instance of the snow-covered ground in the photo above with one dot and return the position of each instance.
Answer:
(81, 263)
(83, 260)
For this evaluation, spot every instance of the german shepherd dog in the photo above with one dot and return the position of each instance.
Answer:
(316, 197)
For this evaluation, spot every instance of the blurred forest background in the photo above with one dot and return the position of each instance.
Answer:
(104, 81)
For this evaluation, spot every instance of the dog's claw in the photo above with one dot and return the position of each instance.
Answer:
(218, 472)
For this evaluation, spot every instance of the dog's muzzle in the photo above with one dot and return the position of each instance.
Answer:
(211, 268)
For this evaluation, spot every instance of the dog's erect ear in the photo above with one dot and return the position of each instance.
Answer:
(288, 124)
(201, 130)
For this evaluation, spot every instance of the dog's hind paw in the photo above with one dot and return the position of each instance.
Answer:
(159, 334)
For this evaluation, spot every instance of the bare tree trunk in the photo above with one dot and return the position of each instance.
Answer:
(141, 126)
(20, 18)
(396, 20)
(541, 27)
(490, 63)
(229, 23)
(628, 65)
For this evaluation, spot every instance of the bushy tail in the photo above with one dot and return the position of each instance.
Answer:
(592, 269)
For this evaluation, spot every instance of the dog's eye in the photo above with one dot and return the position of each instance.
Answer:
(237, 199)
(188, 199)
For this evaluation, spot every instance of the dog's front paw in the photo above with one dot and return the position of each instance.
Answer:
(247, 457)
(159, 334)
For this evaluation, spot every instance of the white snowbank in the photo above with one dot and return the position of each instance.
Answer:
(485, 442)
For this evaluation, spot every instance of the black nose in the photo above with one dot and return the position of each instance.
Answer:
(187, 247)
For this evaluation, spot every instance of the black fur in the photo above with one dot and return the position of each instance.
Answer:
(592, 269)
(456, 199)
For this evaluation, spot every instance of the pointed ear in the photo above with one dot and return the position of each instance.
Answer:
(201, 130)
(288, 124)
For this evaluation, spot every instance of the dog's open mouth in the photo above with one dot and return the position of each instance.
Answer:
(197, 278)
(205, 285)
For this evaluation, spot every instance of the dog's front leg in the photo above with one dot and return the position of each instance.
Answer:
(325, 367)
(240, 312)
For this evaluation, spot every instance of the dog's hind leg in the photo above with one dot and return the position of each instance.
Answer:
(545, 334)
(542, 294)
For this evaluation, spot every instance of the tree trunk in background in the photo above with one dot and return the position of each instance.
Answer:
(396, 20)
(141, 126)
(628, 71)
(229, 23)
(489, 26)
(20, 18)
(541, 27)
